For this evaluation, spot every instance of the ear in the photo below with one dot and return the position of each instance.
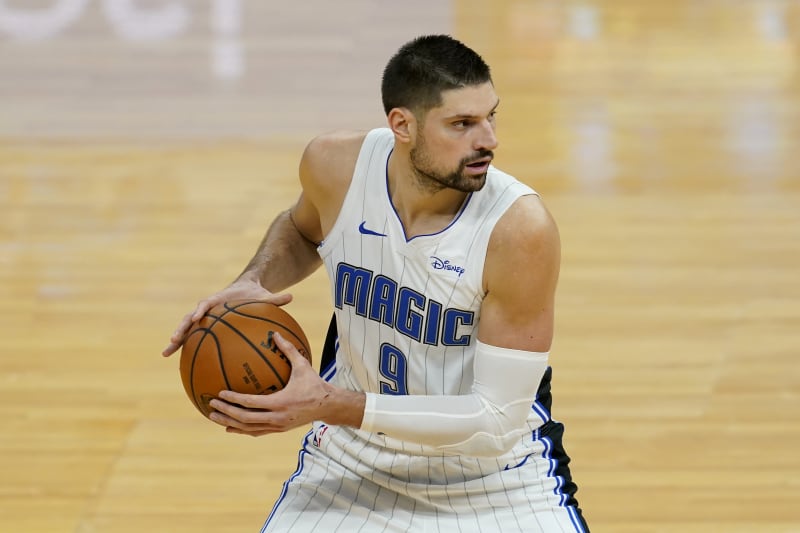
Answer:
(403, 124)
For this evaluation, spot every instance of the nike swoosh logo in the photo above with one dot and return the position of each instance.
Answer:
(364, 231)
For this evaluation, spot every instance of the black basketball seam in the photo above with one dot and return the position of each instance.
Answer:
(206, 331)
(254, 347)
(235, 310)
(215, 317)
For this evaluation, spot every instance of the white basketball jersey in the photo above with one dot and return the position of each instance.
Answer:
(407, 309)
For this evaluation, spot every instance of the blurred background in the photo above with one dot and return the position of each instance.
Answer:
(145, 145)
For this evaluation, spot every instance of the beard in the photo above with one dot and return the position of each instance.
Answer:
(432, 179)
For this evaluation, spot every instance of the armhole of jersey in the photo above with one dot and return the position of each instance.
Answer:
(353, 191)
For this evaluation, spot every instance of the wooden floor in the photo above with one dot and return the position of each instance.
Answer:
(143, 154)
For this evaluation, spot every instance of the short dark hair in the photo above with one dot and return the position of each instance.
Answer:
(422, 69)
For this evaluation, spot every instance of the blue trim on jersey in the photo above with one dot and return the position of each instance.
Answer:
(300, 463)
(330, 371)
(389, 197)
(551, 473)
(577, 521)
(541, 410)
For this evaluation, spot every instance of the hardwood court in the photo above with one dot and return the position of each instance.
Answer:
(662, 135)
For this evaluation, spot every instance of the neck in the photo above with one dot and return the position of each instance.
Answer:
(422, 207)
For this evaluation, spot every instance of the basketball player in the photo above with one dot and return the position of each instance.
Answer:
(433, 413)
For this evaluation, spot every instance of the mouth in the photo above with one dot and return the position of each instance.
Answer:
(479, 166)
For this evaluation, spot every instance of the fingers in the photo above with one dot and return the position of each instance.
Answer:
(202, 308)
(179, 335)
(248, 420)
(170, 349)
(249, 401)
(281, 299)
(248, 432)
(289, 350)
(176, 340)
(236, 291)
(235, 426)
(229, 415)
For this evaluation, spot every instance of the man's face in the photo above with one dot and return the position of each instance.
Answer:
(454, 142)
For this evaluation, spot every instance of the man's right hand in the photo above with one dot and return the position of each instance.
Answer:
(241, 289)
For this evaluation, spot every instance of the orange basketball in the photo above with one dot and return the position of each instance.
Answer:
(231, 348)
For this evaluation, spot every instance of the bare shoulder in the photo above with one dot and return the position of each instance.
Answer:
(326, 170)
(526, 227)
(332, 156)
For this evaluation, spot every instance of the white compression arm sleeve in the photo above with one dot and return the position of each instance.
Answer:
(486, 422)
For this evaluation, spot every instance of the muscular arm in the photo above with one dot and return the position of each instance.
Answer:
(520, 277)
(287, 254)
(284, 257)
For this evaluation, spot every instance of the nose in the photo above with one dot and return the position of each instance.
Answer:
(487, 137)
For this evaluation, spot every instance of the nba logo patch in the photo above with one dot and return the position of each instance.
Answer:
(318, 435)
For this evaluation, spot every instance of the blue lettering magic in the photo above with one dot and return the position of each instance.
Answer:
(411, 313)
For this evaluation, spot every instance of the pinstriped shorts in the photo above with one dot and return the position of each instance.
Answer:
(336, 490)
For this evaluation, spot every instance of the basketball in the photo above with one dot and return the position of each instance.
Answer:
(231, 348)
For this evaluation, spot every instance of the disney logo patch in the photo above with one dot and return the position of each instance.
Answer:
(440, 264)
